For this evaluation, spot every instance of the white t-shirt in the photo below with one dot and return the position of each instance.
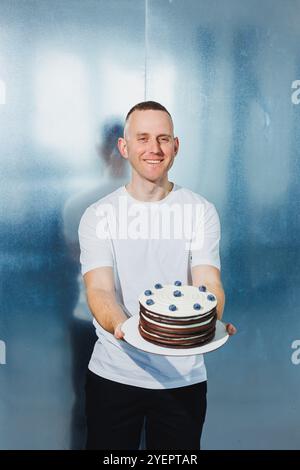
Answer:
(147, 243)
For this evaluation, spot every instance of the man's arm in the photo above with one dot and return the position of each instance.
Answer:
(210, 277)
(100, 291)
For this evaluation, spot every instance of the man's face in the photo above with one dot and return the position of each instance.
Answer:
(149, 144)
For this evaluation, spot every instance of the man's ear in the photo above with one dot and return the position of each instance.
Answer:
(176, 145)
(122, 146)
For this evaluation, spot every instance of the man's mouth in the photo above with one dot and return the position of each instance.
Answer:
(153, 162)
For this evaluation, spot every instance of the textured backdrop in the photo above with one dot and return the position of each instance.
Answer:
(229, 72)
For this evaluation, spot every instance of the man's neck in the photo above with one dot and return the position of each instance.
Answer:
(148, 191)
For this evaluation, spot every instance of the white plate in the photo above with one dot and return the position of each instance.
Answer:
(133, 337)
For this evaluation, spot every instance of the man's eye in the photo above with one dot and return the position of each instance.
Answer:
(141, 139)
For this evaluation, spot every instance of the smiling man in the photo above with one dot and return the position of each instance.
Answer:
(150, 147)
(126, 385)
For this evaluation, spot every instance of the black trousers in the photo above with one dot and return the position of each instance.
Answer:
(115, 415)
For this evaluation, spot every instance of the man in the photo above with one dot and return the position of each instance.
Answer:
(125, 384)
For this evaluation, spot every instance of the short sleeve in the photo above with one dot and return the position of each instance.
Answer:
(95, 250)
(209, 234)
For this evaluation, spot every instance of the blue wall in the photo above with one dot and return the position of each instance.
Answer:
(225, 70)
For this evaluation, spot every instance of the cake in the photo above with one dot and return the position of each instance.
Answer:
(177, 316)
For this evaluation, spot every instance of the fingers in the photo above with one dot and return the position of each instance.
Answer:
(119, 334)
(231, 329)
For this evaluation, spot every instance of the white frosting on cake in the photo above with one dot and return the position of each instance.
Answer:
(164, 297)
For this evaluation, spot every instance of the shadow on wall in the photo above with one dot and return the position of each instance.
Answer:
(82, 331)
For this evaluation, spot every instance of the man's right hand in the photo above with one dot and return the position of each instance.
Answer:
(119, 334)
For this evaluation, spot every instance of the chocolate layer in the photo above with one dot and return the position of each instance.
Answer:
(161, 329)
(180, 344)
(163, 334)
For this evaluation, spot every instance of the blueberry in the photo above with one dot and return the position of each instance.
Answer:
(197, 306)
(177, 293)
(172, 307)
(211, 297)
(177, 283)
(148, 292)
(158, 286)
(202, 288)
(149, 302)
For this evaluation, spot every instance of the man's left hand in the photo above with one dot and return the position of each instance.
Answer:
(231, 329)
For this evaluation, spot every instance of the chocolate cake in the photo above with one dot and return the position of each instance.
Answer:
(176, 316)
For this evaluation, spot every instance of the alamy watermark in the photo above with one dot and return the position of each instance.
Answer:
(295, 357)
(2, 92)
(2, 352)
(295, 96)
(151, 221)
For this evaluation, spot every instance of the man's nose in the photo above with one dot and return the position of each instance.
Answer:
(154, 146)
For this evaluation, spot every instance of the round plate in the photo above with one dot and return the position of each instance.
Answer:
(133, 337)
